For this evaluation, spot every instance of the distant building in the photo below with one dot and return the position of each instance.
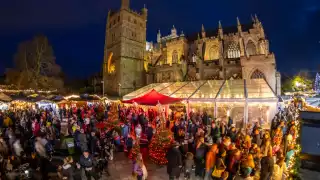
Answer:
(130, 62)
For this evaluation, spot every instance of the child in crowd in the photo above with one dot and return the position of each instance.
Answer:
(188, 165)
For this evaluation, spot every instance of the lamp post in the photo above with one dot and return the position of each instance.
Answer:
(102, 82)
(119, 89)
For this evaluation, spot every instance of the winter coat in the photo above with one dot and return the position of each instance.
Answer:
(68, 171)
(51, 133)
(188, 165)
(267, 167)
(40, 149)
(87, 162)
(278, 171)
(174, 161)
(83, 141)
(257, 139)
(211, 157)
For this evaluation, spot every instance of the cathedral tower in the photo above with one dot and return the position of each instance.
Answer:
(125, 46)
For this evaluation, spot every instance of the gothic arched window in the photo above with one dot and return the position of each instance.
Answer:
(251, 48)
(233, 50)
(175, 56)
(213, 53)
(257, 74)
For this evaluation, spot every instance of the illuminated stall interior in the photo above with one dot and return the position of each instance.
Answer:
(244, 101)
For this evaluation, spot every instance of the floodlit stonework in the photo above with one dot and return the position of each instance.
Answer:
(238, 52)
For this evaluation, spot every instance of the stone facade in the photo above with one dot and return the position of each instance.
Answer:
(125, 47)
(238, 52)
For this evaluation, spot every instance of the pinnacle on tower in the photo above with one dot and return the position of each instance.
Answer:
(256, 18)
(203, 32)
(238, 22)
(220, 31)
(125, 4)
(220, 26)
(239, 25)
(182, 34)
(252, 19)
(159, 36)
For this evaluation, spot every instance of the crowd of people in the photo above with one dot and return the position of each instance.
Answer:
(37, 142)
(71, 144)
(218, 150)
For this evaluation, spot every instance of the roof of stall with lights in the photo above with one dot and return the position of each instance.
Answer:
(252, 90)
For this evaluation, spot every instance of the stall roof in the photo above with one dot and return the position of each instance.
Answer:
(254, 90)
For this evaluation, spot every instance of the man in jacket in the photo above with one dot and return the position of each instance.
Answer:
(211, 160)
(267, 165)
(174, 162)
(87, 163)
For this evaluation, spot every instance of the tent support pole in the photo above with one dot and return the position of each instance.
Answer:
(246, 111)
(215, 110)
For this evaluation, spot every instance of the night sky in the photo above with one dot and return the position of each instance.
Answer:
(76, 28)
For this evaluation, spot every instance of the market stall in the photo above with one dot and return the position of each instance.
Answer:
(4, 101)
(245, 101)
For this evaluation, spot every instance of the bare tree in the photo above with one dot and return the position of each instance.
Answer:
(35, 66)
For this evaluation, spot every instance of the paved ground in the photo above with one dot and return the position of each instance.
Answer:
(309, 175)
(121, 167)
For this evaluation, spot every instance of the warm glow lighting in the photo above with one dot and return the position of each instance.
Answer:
(111, 67)
(72, 96)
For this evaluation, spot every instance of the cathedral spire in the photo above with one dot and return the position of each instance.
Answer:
(256, 18)
(238, 22)
(144, 12)
(220, 31)
(203, 32)
(159, 36)
(252, 19)
(239, 25)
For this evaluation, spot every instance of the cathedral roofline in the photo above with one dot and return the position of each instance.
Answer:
(226, 30)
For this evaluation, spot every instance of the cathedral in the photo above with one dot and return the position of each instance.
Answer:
(224, 53)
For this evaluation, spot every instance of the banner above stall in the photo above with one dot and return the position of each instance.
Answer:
(153, 98)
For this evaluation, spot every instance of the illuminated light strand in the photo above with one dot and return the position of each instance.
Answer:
(291, 170)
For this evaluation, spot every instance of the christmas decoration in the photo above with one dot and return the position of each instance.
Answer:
(294, 162)
(159, 146)
(135, 150)
(138, 130)
(317, 84)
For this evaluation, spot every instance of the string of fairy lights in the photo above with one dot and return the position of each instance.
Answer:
(292, 170)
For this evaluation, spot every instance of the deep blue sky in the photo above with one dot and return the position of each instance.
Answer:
(76, 28)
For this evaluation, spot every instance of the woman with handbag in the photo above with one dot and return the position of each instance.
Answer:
(219, 166)
(139, 169)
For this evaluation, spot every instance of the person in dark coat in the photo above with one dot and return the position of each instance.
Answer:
(200, 160)
(256, 138)
(267, 164)
(93, 143)
(174, 162)
(87, 163)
